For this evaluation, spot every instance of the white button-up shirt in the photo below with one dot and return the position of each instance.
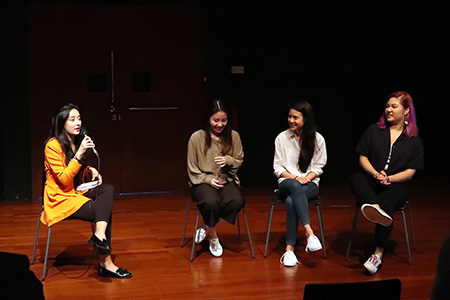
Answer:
(287, 152)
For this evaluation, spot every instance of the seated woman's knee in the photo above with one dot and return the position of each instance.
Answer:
(288, 201)
(290, 184)
(109, 189)
(239, 203)
(210, 205)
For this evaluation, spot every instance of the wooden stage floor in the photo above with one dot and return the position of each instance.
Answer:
(147, 234)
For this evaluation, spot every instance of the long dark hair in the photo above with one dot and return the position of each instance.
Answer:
(58, 131)
(226, 138)
(308, 138)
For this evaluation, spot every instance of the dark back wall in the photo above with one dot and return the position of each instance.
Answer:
(343, 58)
(15, 158)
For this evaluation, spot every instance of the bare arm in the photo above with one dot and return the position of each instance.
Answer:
(399, 177)
(303, 180)
(403, 176)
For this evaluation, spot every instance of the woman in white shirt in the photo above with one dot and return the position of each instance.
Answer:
(300, 155)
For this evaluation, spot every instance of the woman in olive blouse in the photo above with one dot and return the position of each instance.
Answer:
(214, 157)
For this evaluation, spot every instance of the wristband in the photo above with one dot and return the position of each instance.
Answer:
(375, 175)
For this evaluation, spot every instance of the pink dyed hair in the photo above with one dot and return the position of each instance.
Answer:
(407, 102)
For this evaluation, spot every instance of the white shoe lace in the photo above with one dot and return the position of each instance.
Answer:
(215, 247)
(374, 260)
(200, 235)
(313, 244)
(289, 255)
(373, 263)
(215, 244)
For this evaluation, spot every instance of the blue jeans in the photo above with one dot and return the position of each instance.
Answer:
(296, 205)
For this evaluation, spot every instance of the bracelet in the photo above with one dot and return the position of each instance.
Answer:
(375, 175)
(76, 159)
(295, 177)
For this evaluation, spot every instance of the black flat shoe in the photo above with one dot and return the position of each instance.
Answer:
(120, 273)
(101, 245)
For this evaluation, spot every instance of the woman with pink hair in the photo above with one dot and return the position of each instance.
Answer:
(390, 152)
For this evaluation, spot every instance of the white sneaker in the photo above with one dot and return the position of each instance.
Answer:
(289, 259)
(313, 244)
(372, 264)
(215, 247)
(200, 234)
(376, 215)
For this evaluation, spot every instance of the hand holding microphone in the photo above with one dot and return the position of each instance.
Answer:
(93, 145)
(86, 143)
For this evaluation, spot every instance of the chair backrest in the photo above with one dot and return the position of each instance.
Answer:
(389, 289)
(278, 197)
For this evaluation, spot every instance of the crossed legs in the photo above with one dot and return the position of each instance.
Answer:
(99, 211)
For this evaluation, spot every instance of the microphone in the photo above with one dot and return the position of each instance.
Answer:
(98, 163)
(93, 149)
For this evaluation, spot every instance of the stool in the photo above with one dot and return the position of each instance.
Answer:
(44, 274)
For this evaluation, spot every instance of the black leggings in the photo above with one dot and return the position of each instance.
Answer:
(99, 208)
(389, 197)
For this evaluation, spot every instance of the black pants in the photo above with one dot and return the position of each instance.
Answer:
(215, 203)
(99, 208)
(389, 197)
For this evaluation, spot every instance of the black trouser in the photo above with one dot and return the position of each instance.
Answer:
(390, 197)
(215, 203)
(99, 208)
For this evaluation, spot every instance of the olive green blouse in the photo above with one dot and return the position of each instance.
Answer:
(202, 168)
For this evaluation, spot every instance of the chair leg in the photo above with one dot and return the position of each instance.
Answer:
(193, 240)
(248, 232)
(411, 226)
(406, 236)
(239, 229)
(319, 213)
(355, 220)
(269, 223)
(185, 223)
(46, 253)
(36, 238)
